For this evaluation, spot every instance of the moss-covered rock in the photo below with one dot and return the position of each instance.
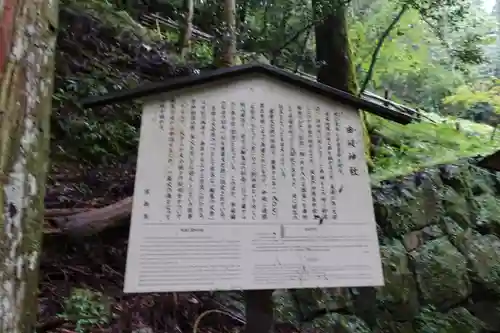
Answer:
(488, 312)
(457, 320)
(441, 273)
(410, 204)
(298, 305)
(391, 326)
(336, 323)
(285, 308)
(483, 253)
(486, 213)
(415, 239)
(456, 206)
(399, 295)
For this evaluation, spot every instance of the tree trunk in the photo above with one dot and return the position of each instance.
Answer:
(229, 35)
(333, 53)
(259, 310)
(27, 46)
(225, 48)
(187, 28)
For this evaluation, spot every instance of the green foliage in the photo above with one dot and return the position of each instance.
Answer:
(406, 149)
(487, 91)
(420, 62)
(87, 309)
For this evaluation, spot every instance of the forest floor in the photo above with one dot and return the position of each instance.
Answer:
(82, 278)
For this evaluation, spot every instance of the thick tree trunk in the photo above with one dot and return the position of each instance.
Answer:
(27, 43)
(333, 52)
(332, 46)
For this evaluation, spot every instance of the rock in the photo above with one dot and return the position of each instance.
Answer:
(457, 320)
(336, 323)
(409, 205)
(391, 326)
(488, 312)
(441, 272)
(306, 304)
(415, 239)
(456, 207)
(487, 213)
(286, 308)
(483, 253)
(399, 295)
(480, 181)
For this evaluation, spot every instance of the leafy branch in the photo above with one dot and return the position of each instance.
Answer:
(298, 33)
(378, 47)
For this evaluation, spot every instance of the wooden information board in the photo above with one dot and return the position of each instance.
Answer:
(251, 184)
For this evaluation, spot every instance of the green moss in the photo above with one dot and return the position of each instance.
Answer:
(457, 320)
(337, 323)
(441, 273)
(399, 295)
(410, 148)
(483, 253)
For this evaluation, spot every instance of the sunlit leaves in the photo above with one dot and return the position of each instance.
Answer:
(487, 91)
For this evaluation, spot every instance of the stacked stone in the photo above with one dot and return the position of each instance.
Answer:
(439, 231)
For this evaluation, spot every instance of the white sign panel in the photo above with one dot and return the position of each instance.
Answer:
(251, 184)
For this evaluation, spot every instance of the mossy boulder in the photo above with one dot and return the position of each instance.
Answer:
(457, 320)
(456, 206)
(390, 326)
(414, 239)
(486, 213)
(410, 204)
(399, 295)
(483, 253)
(337, 323)
(297, 305)
(441, 273)
(488, 311)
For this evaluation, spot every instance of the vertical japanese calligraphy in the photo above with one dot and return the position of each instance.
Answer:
(228, 160)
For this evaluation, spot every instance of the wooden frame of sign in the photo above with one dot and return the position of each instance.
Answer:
(250, 178)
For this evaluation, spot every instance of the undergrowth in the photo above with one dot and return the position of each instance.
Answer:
(409, 148)
(130, 54)
(87, 309)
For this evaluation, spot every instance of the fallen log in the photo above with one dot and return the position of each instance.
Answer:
(58, 212)
(93, 221)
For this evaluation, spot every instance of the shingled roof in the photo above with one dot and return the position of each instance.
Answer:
(237, 71)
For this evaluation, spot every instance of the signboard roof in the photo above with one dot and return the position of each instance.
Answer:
(237, 71)
(251, 185)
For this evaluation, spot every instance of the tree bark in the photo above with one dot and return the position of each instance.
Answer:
(27, 45)
(187, 28)
(225, 46)
(333, 53)
(229, 33)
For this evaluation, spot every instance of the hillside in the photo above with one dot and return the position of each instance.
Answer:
(93, 164)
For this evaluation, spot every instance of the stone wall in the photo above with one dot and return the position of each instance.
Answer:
(439, 233)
